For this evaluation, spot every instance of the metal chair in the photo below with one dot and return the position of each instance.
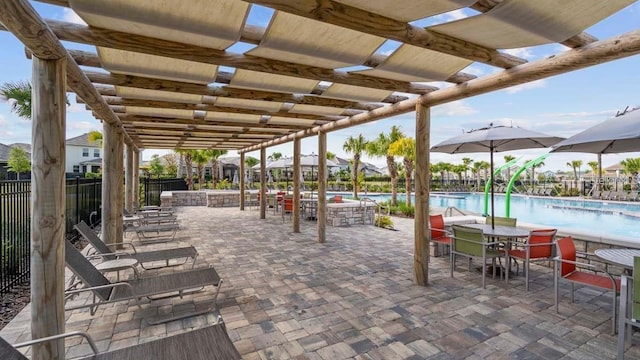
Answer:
(626, 323)
(538, 247)
(470, 243)
(438, 233)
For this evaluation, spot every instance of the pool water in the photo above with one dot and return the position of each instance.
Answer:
(597, 217)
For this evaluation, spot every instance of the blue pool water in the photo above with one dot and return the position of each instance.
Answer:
(604, 218)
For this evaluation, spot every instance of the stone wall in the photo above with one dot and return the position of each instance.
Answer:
(223, 199)
(200, 198)
(345, 214)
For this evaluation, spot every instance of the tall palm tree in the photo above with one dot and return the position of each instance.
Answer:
(508, 158)
(275, 157)
(467, 163)
(355, 145)
(595, 166)
(575, 165)
(201, 158)
(459, 169)
(475, 169)
(533, 172)
(405, 147)
(214, 155)
(187, 155)
(20, 93)
(631, 166)
(380, 148)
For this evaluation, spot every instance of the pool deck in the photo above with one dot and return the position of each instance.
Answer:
(285, 296)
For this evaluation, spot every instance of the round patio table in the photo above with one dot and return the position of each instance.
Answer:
(621, 257)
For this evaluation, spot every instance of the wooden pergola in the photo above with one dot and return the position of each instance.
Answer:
(160, 78)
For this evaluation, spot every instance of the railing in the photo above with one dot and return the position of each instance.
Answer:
(152, 188)
(449, 211)
(15, 216)
(377, 213)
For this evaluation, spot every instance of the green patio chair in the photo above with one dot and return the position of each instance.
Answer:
(502, 221)
(628, 318)
(471, 243)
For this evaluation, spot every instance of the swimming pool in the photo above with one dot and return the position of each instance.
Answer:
(603, 218)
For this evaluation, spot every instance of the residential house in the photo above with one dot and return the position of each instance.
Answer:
(83, 156)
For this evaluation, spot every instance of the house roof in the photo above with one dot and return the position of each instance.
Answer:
(24, 146)
(5, 150)
(306, 73)
(97, 161)
(82, 140)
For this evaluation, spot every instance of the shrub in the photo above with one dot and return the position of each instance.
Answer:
(383, 221)
(405, 210)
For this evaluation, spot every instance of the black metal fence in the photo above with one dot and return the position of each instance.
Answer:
(83, 202)
(15, 219)
(152, 188)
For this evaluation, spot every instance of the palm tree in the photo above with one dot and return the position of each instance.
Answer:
(405, 147)
(188, 162)
(486, 168)
(380, 148)
(355, 145)
(467, 163)
(508, 158)
(533, 172)
(631, 166)
(214, 155)
(459, 169)
(20, 93)
(575, 165)
(201, 158)
(595, 166)
(275, 157)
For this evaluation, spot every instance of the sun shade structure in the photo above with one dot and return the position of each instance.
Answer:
(495, 139)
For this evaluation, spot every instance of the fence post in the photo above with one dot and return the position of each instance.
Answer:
(77, 199)
(146, 191)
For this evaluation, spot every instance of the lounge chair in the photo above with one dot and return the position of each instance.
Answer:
(168, 285)
(142, 257)
(162, 231)
(211, 342)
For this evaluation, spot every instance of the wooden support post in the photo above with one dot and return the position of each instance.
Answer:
(263, 183)
(241, 180)
(296, 185)
(136, 180)
(112, 185)
(322, 184)
(128, 180)
(421, 219)
(48, 199)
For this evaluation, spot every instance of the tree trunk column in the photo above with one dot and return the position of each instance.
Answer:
(421, 220)
(241, 180)
(128, 181)
(48, 199)
(112, 185)
(296, 185)
(136, 180)
(263, 183)
(322, 184)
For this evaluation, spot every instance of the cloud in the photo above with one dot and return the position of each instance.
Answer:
(83, 126)
(76, 108)
(454, 108)
(525, 53)
(474, 70)
(69, 15)
(527, 86)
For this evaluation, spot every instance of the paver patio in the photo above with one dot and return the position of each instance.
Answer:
(285, 296)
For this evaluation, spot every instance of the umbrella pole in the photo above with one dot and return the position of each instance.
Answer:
(492, 182)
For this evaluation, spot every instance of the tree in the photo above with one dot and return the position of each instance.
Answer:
(275, 157)
(95, 137)
(214, 155)
(467, 164)
(187, 155)
(250, 162)
(201, 158)
(171, 164)
(475, 169)
(459, 170)
(20, 94)
(155, 166)
(575, 165)
(405, 147)
(532, 177)
(631, 166)
(19, 161)
(593, 165)
(380, 148)
(508, 158)
(355, 145)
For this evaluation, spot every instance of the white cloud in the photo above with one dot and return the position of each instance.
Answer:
(474, 70)
(454, 15)
(527, 86)
(83, 126)
(76, 108)
(525, 53)
(69, 15)
(454, 108)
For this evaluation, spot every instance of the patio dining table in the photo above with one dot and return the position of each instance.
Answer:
(503, 232)
(620, 257)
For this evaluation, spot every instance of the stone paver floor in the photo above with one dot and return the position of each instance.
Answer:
(286, 296)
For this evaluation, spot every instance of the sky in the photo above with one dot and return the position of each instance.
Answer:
(562, 105)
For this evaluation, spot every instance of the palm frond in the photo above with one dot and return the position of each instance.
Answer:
(20, 93)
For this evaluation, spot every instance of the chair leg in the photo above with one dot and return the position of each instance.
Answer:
(622, 321)
(555, 284)
(525, 268)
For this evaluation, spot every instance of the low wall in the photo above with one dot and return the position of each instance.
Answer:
(350, 213)
(220, 198)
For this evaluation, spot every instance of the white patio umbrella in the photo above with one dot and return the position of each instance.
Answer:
(494, 139)
(235, 177)
(619, 134)
(310, 161)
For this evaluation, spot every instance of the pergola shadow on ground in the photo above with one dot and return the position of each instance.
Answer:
(287, 296)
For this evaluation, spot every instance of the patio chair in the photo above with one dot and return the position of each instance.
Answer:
(143, 257)
(211, 342)
(162, 231)
(438, 233)
(596, 194)
(538, 247)
(566, 267)
(287, 207)
(470, 243)
(166, 286)
(502, 221)
(626, 323)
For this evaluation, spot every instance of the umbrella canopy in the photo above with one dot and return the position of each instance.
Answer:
(309, 161)
(616, 135)
(235, 177)
(494, 139)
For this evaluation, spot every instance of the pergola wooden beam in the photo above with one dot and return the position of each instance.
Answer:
(206, 90)
(599, 52)
(350, 17)
(119, 101)
(127, 118)
(171, 49)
